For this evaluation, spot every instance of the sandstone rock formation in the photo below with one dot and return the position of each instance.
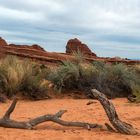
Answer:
(37, 53)
(2, 42)
(35, 46)
(75, 45)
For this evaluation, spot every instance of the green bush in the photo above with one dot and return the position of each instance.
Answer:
(65, 77)
(136, 88)
(116, 80)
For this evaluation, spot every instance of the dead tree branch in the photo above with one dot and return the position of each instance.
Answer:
(10, 109)
(5, 121)
(109, 108)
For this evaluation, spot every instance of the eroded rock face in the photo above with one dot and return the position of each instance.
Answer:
(38, 54)
(2, 42)
(75, 45)
(35, 46)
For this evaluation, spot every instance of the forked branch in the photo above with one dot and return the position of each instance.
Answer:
(109, 108)
(7, 122)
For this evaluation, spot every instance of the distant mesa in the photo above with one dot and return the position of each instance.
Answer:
(38, 54)
(74, 45)
(35, 46)
(2, 42)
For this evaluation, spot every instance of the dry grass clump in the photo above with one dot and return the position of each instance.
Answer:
(21, 76)
(137, 68)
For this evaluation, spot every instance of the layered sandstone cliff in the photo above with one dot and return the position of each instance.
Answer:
(37, 53)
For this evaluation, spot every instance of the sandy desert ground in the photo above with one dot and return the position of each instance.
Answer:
(77, 111)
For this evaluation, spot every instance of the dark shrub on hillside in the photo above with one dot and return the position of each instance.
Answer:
(65, 77)
(31, 88)
(114, 80)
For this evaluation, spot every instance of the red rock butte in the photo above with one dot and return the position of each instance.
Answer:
(37, 53)
(75, 45)
(2, 42)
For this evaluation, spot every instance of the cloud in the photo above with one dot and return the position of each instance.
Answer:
(110, 28)
(19, 15)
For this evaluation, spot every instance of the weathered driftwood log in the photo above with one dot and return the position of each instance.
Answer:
(5, 121)
(109, 108)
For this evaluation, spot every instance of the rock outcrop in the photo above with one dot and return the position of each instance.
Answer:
(75, 45)
(2, 42)
(38, 54)
(35, 46)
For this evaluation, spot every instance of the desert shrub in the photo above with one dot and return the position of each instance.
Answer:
(10, 75)
(31, 81)
(21, 76)
(32, 87)
(136, 88)
(116, 80)
(136, 85)
(65, 77)
(137, 68)
(79, 56)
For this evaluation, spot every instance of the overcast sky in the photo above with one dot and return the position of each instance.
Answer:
(108, 27)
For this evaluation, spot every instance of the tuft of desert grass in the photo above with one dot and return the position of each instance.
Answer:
(21, 76)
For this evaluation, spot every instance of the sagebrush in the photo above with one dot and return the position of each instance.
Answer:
(115, 80)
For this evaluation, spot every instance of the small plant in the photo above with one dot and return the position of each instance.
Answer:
(79, 56)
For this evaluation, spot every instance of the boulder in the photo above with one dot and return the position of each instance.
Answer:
(3, 42)
(74, 45)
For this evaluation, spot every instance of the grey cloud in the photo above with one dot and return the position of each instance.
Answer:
(107, 26)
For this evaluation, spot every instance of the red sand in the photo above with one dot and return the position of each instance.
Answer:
(77, 111)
